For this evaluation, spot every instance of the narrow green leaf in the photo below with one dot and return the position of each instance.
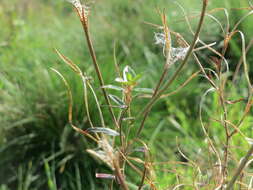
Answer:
(113, 87)
(137, 77)
(107, 131)
(117, 100)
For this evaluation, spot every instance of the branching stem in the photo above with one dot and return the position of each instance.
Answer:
(147, 109)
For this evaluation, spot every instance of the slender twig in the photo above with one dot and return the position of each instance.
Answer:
(121, 117)
(241, 60)
(96, 66)
(120, 176)
(143, 178)
(240, 168)
(222, 100)
(145, 168)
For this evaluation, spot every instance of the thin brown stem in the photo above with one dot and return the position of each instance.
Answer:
(240, 168)
(97, 69)
(120, 177)
(165, 71)
(122, 115)
(143, 178)
(224, 169)
(241, 60)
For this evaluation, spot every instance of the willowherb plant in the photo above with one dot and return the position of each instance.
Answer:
(115, 145)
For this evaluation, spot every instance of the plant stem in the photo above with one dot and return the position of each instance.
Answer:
(143, 178)
(168, 54)
(240, 168)
(165, 71)
(120, 177)
(160, 92)
(96, 66)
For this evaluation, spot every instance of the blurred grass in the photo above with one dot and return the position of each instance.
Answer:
(38, 149)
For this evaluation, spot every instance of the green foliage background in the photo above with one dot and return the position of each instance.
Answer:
(38, 149)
